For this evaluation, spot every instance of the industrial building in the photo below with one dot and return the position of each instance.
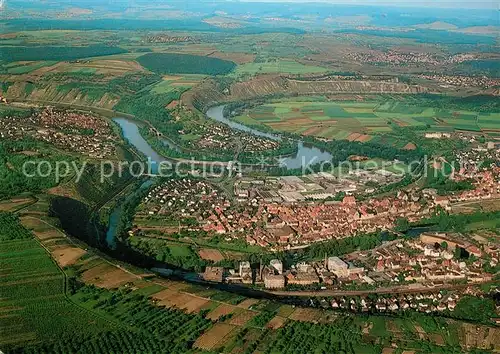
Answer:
(338, 267)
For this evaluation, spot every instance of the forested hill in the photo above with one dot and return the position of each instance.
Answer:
(33, 53)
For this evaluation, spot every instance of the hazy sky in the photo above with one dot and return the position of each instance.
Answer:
(471, 4)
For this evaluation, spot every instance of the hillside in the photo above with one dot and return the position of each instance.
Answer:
(51, 93)
(209, 93)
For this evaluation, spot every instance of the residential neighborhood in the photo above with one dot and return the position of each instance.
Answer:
(67, 130)
(280, 214)
(428, 261)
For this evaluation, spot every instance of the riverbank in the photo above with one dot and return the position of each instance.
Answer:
(306, 155)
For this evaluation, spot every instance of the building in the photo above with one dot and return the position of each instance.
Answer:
(213, 274)
(356, 271)
(337, 266)
(349, 200)
(302, 278)
(437, 135)
(277, 266)
(283, 234)
(303, 267)
(442, 201)
(274, 281)
(245, 273)
(245, 268)
(474, 251)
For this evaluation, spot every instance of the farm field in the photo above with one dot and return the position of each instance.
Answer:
(362, 121)
(176, 83)
(13, 204)
(27, 67)
(216, 334)
(278, 66)
(489, 121)
(33, 303)
(111, 67)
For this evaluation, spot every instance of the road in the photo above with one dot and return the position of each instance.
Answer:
(391, 290)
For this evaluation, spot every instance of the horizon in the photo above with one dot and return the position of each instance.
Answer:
(422, 4)
(436, 4)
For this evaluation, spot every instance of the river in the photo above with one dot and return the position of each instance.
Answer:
(130, 128)
(306, 154)
(115, 216)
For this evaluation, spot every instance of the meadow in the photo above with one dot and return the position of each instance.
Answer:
(277, 66)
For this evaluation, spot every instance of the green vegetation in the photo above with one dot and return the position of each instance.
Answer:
(92, 87)
(170, 63)
(342, 149)
(11, 229)
(32, 53)
(343, 336)
(378, 120)
(40, 317)
(95, 191)
(105, 24)
(262, 319)
(122, 322)
(27, 68)
(177, 255)
(36, 308)
(6, 111)
(151, 108)
(176, 83)
(439, 180)
(346, 245)
(14, 155)
(429, 36)
(444, 221)
(490, 68)
(277, 66)
(475, 309)
(476, 103)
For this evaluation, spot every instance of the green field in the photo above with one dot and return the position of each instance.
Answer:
(362, 121)
(34, 306)
(278, 66)
(179, 83)
(489, 121)
(20, 68)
